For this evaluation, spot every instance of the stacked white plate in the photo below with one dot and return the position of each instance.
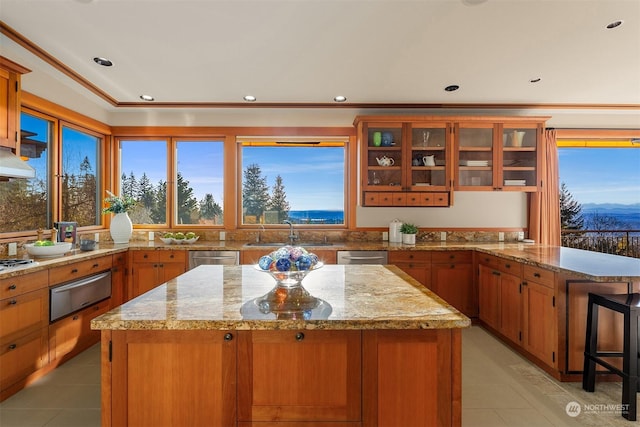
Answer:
(517, 182)
(474, 162)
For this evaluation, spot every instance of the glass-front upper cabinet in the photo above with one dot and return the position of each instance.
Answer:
(474, 156)
(429, 156)
(519, 157)
(383, 159)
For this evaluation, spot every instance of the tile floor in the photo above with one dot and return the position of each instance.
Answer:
(499, 388)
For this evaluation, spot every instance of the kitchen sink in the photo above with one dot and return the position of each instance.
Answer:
(285, 243)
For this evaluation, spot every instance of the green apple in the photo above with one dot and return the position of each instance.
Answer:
(48, 243)
(179, 235)
(167, 235)
(190, 235)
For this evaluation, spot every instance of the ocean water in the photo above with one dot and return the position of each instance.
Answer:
(317, 217)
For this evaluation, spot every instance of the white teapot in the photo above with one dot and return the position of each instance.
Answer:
(385, 161)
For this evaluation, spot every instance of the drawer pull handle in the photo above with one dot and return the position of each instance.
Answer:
(75, 270)
(145, 256)
(75, 317)
(495, 273)
(171, 256)
(95, 265)
(299, 336)
(536, 275)
(452, 266)
(13, 302)
(507, 265)
(12, 346)
(12, 287)
(452, 256)
(228, 336)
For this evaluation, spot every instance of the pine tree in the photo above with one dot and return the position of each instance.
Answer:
(278, 201)
(209, 209)
(570, 211)
(146, 194)
(187, 203)
(255, 195)
(159, 211)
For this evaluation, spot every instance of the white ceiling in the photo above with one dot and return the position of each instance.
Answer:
(308, 51)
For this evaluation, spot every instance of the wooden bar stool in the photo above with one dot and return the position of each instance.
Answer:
(629, 306)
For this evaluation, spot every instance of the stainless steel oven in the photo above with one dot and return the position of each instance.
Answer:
(73, 296)
(362, 257)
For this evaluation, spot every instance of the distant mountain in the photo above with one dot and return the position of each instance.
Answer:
(611, 208)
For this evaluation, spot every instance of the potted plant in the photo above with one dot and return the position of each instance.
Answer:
(409, 232)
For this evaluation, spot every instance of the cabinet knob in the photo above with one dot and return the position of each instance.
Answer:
(507, 265)
(452, 266)
(12, 346)
(536, 275)
(171, 256)
(95, 265)
(75, 317)
(299, 336)
(12, 287)
(452, 256)
(495, 273)
(145, 256)
(75, 270)
(13, 302)
(228, 336)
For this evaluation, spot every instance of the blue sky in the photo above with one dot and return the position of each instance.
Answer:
(601, 175)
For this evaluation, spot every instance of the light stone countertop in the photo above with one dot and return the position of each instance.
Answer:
(358, 296)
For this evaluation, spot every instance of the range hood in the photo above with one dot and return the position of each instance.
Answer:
(11, 166)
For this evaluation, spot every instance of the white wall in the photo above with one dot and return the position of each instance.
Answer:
(471, 209)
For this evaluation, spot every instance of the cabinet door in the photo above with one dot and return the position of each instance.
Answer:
(22, 356)
(144, 277)
(382, 156)
(540, 324)
(411, 378)
(489, 296)
(416, 264)
(24, 313)
(429, 156)
(172, 378)
(474, 156)
(453, 283)
(520, 158)
(299, 376)
(9, 113)
(170, 270)
(510, 307)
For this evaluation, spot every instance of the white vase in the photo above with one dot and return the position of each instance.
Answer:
(409, 239)
(121, 228)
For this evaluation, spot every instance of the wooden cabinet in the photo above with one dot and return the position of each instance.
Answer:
(152, 268)
(411, 378)
(24, 316)
(71, 335)
(172, 378)
(540, 325)
(416, 264)
(332, 378)
(404, 162)
(299, 376)
(77, 270)
(452, 279)
(502, 154)
(489, 296)
(10, 74)
(119, 292)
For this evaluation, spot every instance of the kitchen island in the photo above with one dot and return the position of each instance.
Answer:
(378, 349)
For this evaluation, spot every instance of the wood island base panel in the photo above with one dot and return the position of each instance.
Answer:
(191, 353)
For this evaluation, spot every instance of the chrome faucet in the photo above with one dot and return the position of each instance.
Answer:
(292, 234)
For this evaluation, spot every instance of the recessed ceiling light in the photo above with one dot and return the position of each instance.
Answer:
(102, 61)
(340, 98)
(451, 88)
(147, 97)
(614, 24)
(535, 80)
(249, 98)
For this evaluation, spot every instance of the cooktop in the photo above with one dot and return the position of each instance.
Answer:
(14, 262)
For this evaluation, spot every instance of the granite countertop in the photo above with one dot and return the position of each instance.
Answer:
(223, 298)
(577, 263)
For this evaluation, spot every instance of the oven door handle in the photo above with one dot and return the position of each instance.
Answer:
(364, 257)
(214, 257)
(80, 283)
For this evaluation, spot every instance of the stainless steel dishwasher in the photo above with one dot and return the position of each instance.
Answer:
(197, 258)
(362, 257)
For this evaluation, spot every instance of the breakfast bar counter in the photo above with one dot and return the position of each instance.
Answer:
(378, 349)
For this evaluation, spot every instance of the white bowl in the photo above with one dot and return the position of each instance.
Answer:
(60, 248)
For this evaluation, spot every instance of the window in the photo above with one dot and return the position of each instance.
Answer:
(303, 182)
(80, 186)
(143, 176)
(25, 203)
(196, 193)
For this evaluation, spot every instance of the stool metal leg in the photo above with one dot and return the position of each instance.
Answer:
(630, 367)
(590, 347)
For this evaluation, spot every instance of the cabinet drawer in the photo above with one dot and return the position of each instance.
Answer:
(17, 285)
(539, 275)
(399, 199)
(488, 260)
(451, 256)
(24, 313)
(409, 256)
(172, 256)
(371, 199)
(508, 266)
(440, 199)
(79, 269)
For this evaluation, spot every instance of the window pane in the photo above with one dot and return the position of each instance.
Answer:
(80, 156)
(144, 178)
(304, 184)
(200, 182)
(24, 203)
